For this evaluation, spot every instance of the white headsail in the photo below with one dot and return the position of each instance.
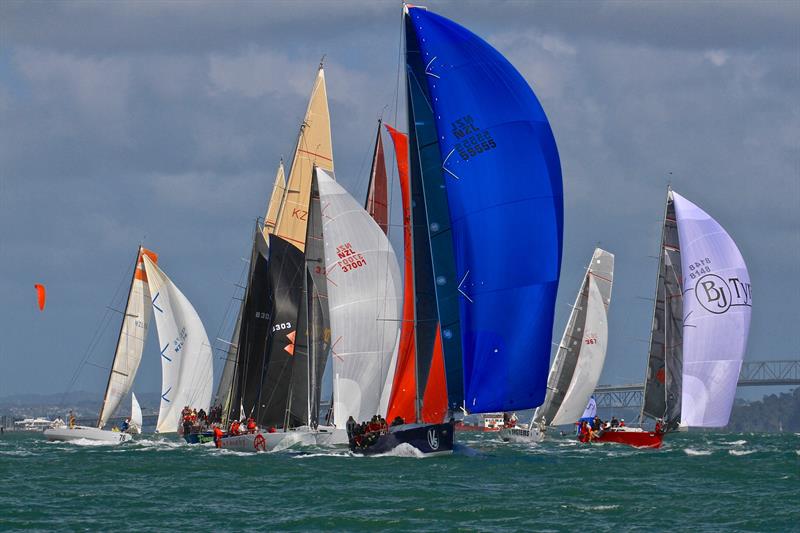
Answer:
(186, 361)
(364, 295)
(136, 413)
(716, 316)
(130, 344)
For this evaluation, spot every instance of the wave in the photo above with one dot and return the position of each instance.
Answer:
(695, 453)
(18, 453)
(736, 443)
(403, 449)
(741, 452)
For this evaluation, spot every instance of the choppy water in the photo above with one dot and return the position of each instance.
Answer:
(697, 482)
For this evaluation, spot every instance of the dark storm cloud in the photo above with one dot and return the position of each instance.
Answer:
(122, 120)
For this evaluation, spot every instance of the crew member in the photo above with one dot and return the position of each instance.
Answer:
(217, 436)
(251, 425)
(350, 426)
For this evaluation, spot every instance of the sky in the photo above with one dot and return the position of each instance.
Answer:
(164, 122)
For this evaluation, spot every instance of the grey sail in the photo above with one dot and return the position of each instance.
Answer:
(225, 385)
(313, 325)
(581, 352)
(662, 387)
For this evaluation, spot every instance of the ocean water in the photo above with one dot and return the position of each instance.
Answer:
(696, 482)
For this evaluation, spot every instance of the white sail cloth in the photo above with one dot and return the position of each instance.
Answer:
(186, 360)
(365, 298)
(590, 361)
(130, 345)
(716, 316)
(593, 336)
(136, 412)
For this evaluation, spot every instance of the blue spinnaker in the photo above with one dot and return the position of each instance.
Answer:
(502, 175)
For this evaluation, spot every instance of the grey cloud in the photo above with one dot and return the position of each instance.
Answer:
(167, 120)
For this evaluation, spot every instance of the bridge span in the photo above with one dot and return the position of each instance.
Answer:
(753, 374)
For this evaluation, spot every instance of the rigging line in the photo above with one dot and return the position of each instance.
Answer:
(97, 336)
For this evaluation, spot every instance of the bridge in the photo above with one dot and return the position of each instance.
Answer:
(753, 374)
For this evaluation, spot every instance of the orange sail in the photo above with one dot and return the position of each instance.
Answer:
(41, 295)
(434, 401)
(403, 397)
(401, 401)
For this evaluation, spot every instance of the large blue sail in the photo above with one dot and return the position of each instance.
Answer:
(435, 282)
(502, 175)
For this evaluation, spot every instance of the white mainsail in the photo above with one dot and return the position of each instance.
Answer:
(186, 361)
(591, 359)
(364, 296)
(130, 344)
(136, 413)
(716, 316)
(581, 354)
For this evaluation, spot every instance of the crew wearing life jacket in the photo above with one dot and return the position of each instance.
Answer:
(234, 427)
(251, 425)
(217, 436)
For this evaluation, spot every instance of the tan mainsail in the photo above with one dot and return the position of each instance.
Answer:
(313, 149)
(275, 201)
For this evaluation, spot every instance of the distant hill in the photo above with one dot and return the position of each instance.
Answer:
(84, 403)
(772, 413)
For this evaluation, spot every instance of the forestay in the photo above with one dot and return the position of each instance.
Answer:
(716, 305)
(364, 295)
(186, 361)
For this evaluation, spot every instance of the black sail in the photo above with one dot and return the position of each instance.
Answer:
(254, 325)
(284, 295)
(663, 381)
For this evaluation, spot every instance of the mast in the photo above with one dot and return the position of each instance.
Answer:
(119, 337)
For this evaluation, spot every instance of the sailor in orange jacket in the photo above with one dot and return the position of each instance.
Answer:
(251, 425)
(217, 436)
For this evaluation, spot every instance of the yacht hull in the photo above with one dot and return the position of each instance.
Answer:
(430, 439)
(66, 434)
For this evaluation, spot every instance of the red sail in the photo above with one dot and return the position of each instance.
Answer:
(377, 204)
(403, 397)
(434, 402)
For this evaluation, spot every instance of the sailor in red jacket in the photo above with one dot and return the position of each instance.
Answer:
(251, 425)
(217, 436)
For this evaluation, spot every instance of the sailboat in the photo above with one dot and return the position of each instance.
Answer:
(127, 356)
(283, 338)
(580, 356)
(483, 172)
(701, 320)
(186, 361)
